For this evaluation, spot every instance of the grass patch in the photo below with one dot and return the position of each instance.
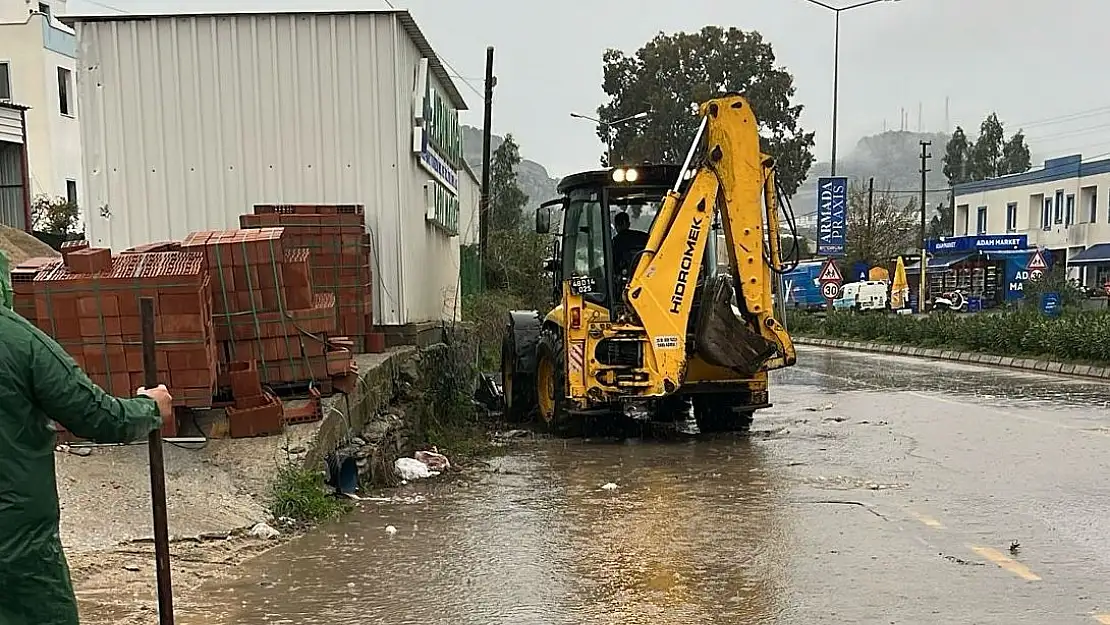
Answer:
(462, 441)
(300, 494)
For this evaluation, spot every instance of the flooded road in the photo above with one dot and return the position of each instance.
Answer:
(879, 489)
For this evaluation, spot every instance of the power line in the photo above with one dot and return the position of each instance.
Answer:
(444, 60)
(107, 6)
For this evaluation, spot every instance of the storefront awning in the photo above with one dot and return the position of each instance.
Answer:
(1094, 255)
(938, 263)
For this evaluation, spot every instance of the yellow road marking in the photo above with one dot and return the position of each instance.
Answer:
(1006, 563)
(1103, 618)
(930, 521)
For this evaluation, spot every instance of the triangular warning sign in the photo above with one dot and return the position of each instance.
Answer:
(829, 273)
(1037, 262)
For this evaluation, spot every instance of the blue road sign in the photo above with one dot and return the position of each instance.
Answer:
(832, 215)
(1051, 306)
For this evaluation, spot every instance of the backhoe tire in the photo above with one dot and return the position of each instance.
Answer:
(551, 386)
(518, 365)
(717, 414)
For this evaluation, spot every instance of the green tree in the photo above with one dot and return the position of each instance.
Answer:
(1015, 154)
(54, 215)
(989, 156)
(956, 157)
(942, 224)
(506, 199)
(892, 226)
(671, 72)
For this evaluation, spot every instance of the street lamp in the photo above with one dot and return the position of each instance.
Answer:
(836, 60)
(608, 127)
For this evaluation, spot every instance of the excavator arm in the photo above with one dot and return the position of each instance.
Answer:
(735, 178)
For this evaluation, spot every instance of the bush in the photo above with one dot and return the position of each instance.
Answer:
(299, 494)
(1072, 336)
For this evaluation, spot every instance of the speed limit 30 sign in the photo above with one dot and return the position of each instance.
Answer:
(831, 290)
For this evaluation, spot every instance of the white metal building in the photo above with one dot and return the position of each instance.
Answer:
(1063, 206)
(200, 116)
(37, 70)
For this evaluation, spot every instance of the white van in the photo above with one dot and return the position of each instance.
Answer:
(867, 295)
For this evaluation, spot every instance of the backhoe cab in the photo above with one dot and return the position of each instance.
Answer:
(643, 323)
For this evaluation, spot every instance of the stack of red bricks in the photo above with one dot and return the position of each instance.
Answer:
(89, 303)
(265, 311)
(340, 260)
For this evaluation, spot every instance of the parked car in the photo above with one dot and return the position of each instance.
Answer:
(866, 295)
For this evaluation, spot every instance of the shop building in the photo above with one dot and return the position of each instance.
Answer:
(990, 269)
(1062, 207)
(201, 116)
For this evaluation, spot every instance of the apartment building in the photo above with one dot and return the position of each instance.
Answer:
(1063, 207)
(38, 71)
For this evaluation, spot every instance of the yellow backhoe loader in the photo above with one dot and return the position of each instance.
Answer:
(645, 326)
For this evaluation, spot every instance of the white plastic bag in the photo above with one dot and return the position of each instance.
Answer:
(412, 469)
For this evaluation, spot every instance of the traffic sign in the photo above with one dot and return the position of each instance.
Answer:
(830, 273)
(831, 290)
(1037, 262)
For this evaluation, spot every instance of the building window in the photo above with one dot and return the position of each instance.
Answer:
(5, 81)
(71, 191)
(1093, 207)
(1058, 216)
(1046, 216)
(65, 91)
(1069, 213)
(981, 220)
(1011, 217)
(44, 8)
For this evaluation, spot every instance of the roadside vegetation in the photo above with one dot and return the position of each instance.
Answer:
(300, 494)
(1075, 335)
(513, 274)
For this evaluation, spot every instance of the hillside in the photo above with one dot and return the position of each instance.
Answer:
(531, 176)
(893, 158)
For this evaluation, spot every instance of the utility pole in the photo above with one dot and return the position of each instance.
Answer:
(870, 205)
(483, 208)
(925, 156)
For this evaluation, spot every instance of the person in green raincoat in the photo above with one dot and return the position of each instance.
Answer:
(40, 382)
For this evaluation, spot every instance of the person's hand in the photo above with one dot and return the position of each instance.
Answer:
(161, 396)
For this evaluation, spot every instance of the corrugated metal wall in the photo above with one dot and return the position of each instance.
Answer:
(191, 120)
(11, 186)
(11, 125)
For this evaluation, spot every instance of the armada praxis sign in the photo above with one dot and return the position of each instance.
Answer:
(437, 137)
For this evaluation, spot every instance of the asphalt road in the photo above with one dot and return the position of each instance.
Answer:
(878, 489)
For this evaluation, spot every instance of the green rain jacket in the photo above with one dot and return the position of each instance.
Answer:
(38, 382)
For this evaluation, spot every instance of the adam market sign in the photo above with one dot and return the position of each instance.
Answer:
(983, 243)
(436, 136)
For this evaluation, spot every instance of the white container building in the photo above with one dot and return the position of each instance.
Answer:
(191, 119)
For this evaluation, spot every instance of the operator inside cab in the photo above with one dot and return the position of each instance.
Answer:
(627, 243)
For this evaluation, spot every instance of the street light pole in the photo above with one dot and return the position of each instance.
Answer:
(608, 126)
(836, 62)
(836, 88)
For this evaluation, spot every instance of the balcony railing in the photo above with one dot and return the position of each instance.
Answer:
(58, 40)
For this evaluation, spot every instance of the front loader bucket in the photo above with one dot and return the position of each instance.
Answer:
(723, 338)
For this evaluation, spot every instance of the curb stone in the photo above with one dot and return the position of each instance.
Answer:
(1006, 362)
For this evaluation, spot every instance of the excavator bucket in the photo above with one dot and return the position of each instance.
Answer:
(723, 338)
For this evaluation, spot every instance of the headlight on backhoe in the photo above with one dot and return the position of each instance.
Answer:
(625, 175)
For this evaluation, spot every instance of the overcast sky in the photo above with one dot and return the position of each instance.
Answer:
(1038, 64)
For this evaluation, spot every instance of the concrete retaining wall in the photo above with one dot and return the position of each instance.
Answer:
(1028, 364)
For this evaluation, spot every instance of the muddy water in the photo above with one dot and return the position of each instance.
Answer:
(861, 498)
(692, 531)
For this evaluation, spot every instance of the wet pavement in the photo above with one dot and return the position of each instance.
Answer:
(879, 489)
